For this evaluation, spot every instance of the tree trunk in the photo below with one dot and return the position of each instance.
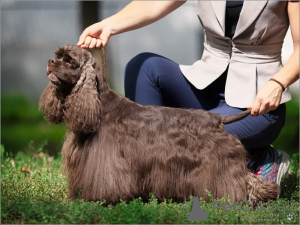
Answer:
(90, 14)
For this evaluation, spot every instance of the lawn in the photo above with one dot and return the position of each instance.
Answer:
(33, 191)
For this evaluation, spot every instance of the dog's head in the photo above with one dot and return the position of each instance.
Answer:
(72, 95)
(68, 65)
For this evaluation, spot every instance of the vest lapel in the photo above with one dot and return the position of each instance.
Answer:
(219, 10)
(250, 11)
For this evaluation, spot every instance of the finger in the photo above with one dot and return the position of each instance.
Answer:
(273, 106)
(83, 36)
(87, 42)
(255, 108)
(93, 43)
(104, 38)
(263, 108)
(98, 43)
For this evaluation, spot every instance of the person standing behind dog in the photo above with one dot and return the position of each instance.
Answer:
(240, 68)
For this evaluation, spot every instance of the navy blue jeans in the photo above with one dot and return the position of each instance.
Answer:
(151, 79)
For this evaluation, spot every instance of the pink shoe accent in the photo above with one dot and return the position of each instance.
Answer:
(273, 175)
(258, 172)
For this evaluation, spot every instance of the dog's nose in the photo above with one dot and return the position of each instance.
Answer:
(52, 61)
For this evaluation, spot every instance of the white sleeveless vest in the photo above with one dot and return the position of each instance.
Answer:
(253, 55)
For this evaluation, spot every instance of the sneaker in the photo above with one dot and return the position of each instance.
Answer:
(275, 167)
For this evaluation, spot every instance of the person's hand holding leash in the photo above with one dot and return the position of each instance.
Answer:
(135, 15)
(267, 99)
(95, 35)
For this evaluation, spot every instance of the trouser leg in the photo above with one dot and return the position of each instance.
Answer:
(151, 79)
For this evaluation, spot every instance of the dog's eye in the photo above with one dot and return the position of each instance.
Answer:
(58, 56)
(68, 59)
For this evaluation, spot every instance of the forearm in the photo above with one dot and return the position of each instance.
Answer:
(138, 14)
(290, 72)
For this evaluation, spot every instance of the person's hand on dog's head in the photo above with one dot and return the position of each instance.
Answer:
(95, 36)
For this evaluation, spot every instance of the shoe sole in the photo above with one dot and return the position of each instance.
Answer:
(284, 167)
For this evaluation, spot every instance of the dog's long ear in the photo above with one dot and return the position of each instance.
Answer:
(51, 105)
(83, 107)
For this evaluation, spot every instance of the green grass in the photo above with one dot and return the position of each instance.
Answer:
(33, 190)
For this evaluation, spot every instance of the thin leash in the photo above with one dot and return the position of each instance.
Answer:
(103, 59)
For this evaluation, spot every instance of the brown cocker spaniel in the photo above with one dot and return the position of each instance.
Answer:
(116, 149)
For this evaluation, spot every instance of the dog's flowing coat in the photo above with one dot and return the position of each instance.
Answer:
(116, 149)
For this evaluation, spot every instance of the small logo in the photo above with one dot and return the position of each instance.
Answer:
(289, 217)
(197, 213)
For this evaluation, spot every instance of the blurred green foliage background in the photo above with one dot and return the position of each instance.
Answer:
(23, 126)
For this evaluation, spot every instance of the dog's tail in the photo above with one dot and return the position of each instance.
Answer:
(261, 190)
(235, 117)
